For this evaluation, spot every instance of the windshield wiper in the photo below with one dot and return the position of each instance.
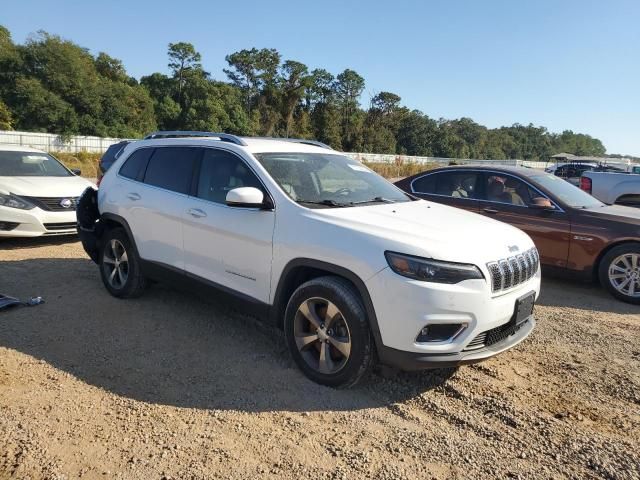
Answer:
(374, 200)
(327, 202)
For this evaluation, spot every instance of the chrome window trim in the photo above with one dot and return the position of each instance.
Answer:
(558, 207)
(208, 202)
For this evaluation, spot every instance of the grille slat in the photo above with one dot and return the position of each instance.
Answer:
(510, 272)
(60, 226)
(493, 336)
(52, 204)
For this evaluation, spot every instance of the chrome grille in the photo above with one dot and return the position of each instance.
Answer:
(52, 204)
(511, 272)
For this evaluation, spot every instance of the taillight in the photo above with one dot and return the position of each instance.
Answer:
(585, 184)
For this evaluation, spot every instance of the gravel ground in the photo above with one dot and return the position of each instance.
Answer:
(170, 386)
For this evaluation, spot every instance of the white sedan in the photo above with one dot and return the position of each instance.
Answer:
(38, 194)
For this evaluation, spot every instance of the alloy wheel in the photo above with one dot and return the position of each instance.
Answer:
(624, 274)
(322, 335)
(115, 264)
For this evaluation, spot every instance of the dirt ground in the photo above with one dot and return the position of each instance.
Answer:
(170, 386)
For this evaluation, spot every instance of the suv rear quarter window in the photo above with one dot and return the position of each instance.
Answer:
(135, 165)
(171, 168)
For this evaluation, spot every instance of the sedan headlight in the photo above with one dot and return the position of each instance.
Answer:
(13, 201)
(431, 270)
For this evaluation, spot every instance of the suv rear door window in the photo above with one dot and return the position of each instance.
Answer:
(135, 165)
(220, 172)
(171, 168)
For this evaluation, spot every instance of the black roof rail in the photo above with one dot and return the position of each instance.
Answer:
(224, 137)
(305, 141)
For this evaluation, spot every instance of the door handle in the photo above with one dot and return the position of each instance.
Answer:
(196, 213)
(133, 196)
(490, 210)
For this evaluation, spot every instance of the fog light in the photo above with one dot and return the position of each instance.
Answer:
(8, 226)
(440, 332)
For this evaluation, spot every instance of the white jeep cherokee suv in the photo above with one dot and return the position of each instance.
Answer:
(346, 263)
(37, 193)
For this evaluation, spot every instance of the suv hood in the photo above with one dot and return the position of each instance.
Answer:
(71, 186)
(433, 230)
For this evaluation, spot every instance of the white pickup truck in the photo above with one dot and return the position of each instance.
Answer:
(610, 188)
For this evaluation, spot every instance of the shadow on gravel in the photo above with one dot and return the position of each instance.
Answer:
(170, 347)
(558, 292)
(22, 243)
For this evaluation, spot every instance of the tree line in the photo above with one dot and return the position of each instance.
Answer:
(51, 84)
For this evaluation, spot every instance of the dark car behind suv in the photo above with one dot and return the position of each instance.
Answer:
(110, 156)
(574, 232)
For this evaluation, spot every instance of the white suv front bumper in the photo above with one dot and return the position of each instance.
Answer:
(403, 307)
(36, 222)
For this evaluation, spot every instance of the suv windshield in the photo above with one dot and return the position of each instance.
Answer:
(567, 193)
(328, 180)
(30, 164)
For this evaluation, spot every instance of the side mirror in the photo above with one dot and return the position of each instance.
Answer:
(76, 171)
(542, 203)
(246, 197)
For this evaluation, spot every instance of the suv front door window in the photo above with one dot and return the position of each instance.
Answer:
(229, 246)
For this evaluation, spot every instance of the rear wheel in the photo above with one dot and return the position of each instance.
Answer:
(619, 272)
(120, 265)
(327, 332)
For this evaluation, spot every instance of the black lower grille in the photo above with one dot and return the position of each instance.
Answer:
(8, 226)
(54, 204)
(495, 335)
(60, 226)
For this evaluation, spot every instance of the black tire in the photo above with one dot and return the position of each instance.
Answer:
(628, 249)
(134, 281)
(350, 319)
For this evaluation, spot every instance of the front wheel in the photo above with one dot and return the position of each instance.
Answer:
(619, 272)
(327, 332)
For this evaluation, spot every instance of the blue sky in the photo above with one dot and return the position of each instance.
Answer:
(564, 64)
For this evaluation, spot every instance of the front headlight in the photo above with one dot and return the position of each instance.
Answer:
(13, 201)
(431, 270)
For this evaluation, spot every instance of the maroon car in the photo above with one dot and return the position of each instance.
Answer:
(574, 232)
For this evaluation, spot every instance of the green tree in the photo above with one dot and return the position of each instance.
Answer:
(111, 68)
(183, 60)
(294, 82)
(254, 71)
(348, 88)
(6, 120)
(417, 134)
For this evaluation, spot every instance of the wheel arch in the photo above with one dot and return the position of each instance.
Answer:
(111, 220)
(300, 270)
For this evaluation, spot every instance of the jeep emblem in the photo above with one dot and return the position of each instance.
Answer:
(66, 203)
(513, 248)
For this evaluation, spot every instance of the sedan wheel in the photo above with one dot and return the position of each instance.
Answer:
(624, 274)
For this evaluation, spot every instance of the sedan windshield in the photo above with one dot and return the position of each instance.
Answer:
(328, 180)
(565, 192)
(30, 164)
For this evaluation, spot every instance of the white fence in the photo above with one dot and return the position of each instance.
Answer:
(52, 142)
(402, 159)
(74, 144)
